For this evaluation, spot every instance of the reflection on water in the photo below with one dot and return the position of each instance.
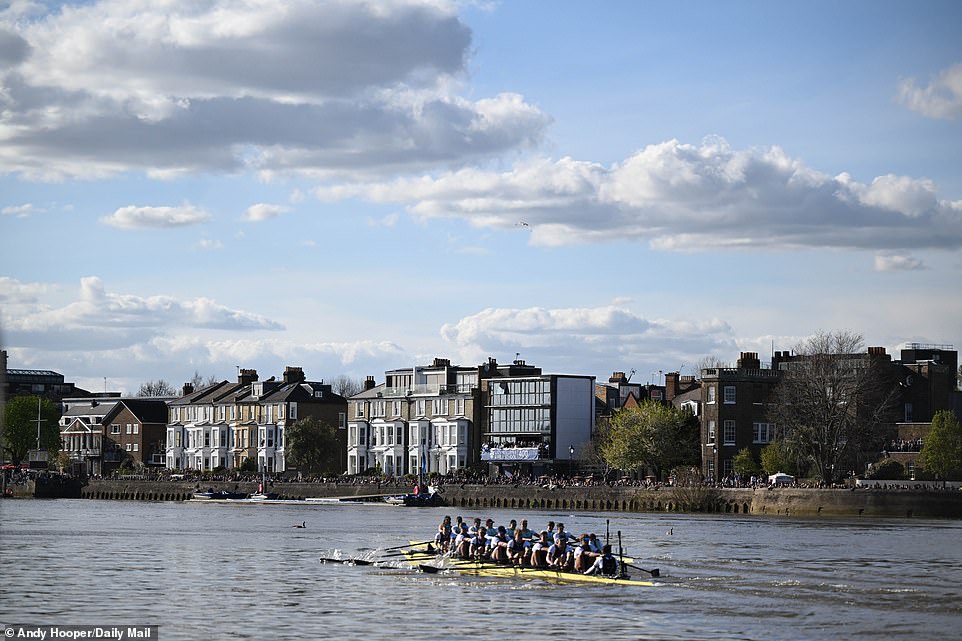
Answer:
(241, 571)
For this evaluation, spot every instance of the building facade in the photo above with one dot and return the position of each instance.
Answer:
(233, 425)
(101, 433)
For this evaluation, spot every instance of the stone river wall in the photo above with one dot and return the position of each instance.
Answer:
(897, 503)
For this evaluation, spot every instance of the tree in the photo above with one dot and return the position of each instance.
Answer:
(776, 457)
(20, 427)
(346, 386)
(200, 382)
(313, 446)
(888, 470)
(160, 387)
(652, 435)
(941, 452)
(831, 399)
(744, 463)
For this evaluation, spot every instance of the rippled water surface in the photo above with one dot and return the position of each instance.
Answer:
(214, 571)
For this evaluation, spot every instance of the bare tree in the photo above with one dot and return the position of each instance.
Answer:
(346, 386)
(160, 387)
(832, 399)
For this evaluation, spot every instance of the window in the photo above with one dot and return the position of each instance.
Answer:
(359, 409)
(762, 432)
(459, 407)
(136, 428)
(206, 438)
(711, 431)
(115, 428)
(729, 394)
(293, 412)
(420, 409)
(129, 428)
(233, 412)
(129, 445)
(378, 408)
(729, 435)
(908, 412)
(136, 447)
(728, 466)
(395, 408)
(223, 438)
(711, 394)
(439, 407)
(341, 420)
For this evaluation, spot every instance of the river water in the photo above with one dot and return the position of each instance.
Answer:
(216, 571)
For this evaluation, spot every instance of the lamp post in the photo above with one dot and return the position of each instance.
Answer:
(571, 455)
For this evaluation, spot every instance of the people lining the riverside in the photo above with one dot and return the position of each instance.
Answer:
(552, 548)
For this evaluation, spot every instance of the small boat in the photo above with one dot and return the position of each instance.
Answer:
(211, 495)
(416, 500)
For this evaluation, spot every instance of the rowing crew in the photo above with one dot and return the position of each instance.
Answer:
(553, 548)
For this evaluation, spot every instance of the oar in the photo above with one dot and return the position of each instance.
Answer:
(346, 561)
(653, 573)
(429, 569)
(401, 547)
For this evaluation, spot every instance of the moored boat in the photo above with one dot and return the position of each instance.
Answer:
(212, 494)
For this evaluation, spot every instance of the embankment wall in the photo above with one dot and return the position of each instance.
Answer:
(887, 503)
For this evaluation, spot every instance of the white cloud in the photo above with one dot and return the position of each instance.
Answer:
(169, 87)
(585, 340)
(387, 221)
(678, 196)
(99, 320)
(207, 244)
(893, 263)
(262, 211)
(20, 211)
(941, 98)
(133, 217)
(13, 292)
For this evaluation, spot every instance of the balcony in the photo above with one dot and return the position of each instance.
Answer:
(510, 454)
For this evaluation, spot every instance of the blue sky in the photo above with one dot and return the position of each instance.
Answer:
(594, 186)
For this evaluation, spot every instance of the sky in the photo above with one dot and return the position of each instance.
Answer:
(352, 187)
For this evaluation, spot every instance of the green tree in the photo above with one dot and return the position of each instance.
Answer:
(941, 454)
(831, 399)
(20, 427)
(888, 470)
(777, 457)
(744, 463)
(313, 446)
(654, 436)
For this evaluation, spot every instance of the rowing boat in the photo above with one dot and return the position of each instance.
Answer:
(488, 569)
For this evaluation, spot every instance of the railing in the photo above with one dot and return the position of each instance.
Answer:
(510, 454)
(424, 390)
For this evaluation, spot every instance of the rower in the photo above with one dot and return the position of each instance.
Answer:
(443, 538)
(479, 544)
(583, 556)
(528, 534)
(462, 542)
(539, 551)
(518, 549)
(606, 564)
(499, 546)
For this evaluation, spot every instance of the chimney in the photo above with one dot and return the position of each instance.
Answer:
(293, 375)
(617, 377)
(188, 389)
(368, 383)
(876, 351)
(749, 360)
(246, 376)
(442, 362)
(671, 385)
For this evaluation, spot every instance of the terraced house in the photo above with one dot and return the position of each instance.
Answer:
(227, 424)
(442, 418)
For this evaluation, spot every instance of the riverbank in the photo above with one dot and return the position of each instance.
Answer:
(869, 502)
